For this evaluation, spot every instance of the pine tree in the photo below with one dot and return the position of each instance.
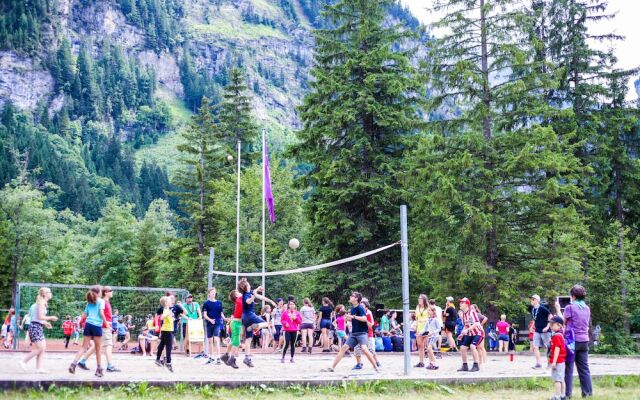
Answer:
(200, 158)
(494, 189)
(236, 122)
(362, 108)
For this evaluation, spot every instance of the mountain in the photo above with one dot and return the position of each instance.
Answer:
(95, 93)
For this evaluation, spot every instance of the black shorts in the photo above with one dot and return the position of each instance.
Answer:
(468, 341)
(121, 338)
(450, 327)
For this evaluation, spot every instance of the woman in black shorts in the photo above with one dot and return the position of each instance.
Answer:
(324, 321)
(450, 322)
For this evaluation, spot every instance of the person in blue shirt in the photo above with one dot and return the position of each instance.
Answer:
(123, 334)
(94, 316)
(214, 317)
(359, 333)
(250, 320)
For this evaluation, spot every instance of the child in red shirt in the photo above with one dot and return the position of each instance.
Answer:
(67, 330)
(558, 356)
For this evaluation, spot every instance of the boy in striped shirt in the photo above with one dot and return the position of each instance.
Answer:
(470, 336)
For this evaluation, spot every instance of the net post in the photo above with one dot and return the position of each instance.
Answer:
(238, 221)
(404, 250)
(210, 274)
(16, 331)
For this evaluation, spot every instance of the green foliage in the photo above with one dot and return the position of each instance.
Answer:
(362, 107)
(160, 19)
(496, 188)
(20, 24)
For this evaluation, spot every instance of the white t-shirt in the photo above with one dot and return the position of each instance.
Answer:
(308, 315)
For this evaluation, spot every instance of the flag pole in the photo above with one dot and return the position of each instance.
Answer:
(238, 221)
(263, 205)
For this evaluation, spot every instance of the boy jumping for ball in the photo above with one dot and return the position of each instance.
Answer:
(250, 320)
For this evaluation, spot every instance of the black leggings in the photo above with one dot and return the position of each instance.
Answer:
(66, 341)
(290, 340)
(166, 342)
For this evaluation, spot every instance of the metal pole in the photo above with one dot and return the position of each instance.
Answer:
(16, 332)
(238, 221)
(262, 203)
(404, 249)
(210, 275)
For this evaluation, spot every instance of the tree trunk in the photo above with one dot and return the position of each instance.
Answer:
(617, 181)
(491, 256)
(14, 271)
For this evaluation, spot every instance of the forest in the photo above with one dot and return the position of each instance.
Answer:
(510, 135)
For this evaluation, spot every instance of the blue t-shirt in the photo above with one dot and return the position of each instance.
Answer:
(122, 329)
(213, 310)
(93, 312)
(248, 308)
(114, 322)
(358, 326)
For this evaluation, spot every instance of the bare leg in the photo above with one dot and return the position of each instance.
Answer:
(33, 353)
(42, 345)
(339, 356)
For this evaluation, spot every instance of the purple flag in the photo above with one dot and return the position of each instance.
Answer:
(266, 180)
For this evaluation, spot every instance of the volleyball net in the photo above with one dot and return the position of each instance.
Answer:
(70, 301)
(378, 273)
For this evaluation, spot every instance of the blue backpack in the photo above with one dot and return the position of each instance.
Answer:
(386, 341)
(379, 345)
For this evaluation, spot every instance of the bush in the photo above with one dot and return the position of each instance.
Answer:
(615, 342)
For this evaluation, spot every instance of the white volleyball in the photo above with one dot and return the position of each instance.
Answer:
(229, 158)
(294, 243)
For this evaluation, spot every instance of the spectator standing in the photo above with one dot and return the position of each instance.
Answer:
(541, 334)
(577, 316)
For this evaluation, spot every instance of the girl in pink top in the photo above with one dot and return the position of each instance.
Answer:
(341, 329)
(291, 321)
(503, 334)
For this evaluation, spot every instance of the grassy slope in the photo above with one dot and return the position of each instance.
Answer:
(622, 388)
(164, 152)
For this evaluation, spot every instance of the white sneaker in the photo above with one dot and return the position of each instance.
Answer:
(42, 371)
(23, 366)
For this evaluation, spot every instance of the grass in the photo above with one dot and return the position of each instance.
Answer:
(615, 387)
(236, 30)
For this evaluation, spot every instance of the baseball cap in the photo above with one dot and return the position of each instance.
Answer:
(449, 299)
(189, 296)
(535, 296)
(465, 300)
(557, 319)
(279, 299)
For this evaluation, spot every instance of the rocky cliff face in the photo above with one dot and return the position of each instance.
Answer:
(271, 39)
(216, 34)
(23, 81)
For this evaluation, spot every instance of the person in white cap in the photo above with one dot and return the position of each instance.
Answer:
(541, 336)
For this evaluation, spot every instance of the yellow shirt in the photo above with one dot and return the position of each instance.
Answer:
(422, 317)
(167, 320)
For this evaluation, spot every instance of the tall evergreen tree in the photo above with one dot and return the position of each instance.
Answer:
(494, 189)
(200, 156)
(234, 114)
(362, 108)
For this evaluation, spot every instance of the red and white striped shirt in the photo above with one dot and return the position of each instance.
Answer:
(471, 318)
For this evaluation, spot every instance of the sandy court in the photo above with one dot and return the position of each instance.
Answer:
(268, 368)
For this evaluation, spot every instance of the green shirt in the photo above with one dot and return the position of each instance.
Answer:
(384, 324)
(191, 310)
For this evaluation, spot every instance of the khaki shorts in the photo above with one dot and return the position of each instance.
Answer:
(557, 374)
(107, 337)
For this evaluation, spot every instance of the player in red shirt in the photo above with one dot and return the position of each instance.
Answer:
(67, 330)
(236, 330)
(470, 336)
(558, 357)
